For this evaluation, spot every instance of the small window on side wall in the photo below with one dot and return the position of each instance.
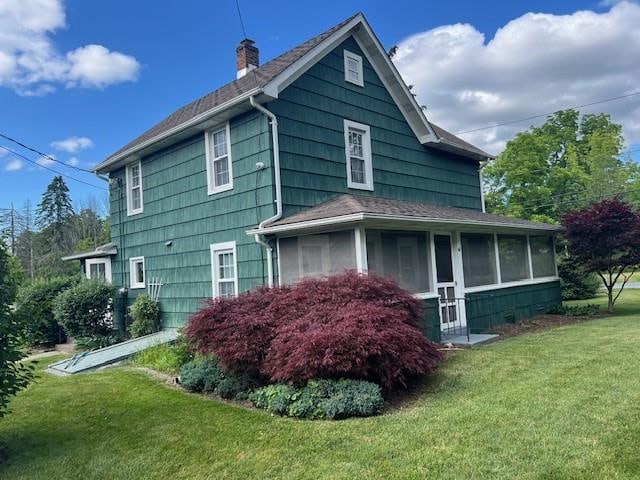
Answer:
(134, 188)
(218, 156)
(136, 272)
(224, 271)
(353, 68)
(357, 140)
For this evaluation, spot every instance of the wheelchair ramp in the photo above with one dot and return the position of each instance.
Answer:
(87, 361)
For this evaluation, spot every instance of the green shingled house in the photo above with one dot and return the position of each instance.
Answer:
(317, 161)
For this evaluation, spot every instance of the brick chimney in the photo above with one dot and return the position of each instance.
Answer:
(247, 57)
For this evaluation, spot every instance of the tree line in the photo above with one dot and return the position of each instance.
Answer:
(40, 237)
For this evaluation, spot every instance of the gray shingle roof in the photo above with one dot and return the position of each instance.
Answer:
(350, 204)
(257, 78)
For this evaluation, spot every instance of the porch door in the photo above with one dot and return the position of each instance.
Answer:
(452, 313)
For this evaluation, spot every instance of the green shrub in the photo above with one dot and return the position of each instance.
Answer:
(145, 312)
(166, 358)
(276, 398)
(200, 375)
(85, 309)
(35, 309)
(330, 399)
(235, 385)
(575, 282)
(586, 310)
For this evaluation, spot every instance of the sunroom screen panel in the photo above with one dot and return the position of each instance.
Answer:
(316, 255)
(478, 259)
(542, 256)
(514, 257)
(401, 255)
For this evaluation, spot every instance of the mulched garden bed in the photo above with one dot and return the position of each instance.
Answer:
(536, 324)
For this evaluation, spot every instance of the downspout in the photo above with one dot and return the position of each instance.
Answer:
(276, 165)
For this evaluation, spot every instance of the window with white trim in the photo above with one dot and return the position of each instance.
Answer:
(514, 258)
(224, 271)
(136, 272)
(353, 68)
(218, 156)
(357, 140)
(134, 188)
(478, 259)
(98, 269)
(542, 256)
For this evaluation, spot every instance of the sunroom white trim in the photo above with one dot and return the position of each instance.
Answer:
(210, 159)
(134, 283)
(518, 283)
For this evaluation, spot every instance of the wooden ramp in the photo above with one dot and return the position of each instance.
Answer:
(87, 361)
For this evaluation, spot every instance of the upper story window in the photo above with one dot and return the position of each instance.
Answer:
(134, 188)
(224, 269)
(353, 68)
(357, 140)
(218, 153)
(136, 272)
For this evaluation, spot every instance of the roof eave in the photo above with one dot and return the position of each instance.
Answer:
(358, 217)
(108, 164)
(445, 145)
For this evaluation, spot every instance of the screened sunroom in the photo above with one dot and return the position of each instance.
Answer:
(446, 254)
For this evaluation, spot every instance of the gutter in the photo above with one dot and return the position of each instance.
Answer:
(259, 238)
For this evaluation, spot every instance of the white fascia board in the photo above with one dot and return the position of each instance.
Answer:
(370, 216)
(189, 123)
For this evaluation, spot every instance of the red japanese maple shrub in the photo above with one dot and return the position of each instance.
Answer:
(345, 326)
(351, 326)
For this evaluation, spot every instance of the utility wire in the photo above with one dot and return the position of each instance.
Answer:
(49, 157)
(50, 169)
(241, 21)
(605, 100)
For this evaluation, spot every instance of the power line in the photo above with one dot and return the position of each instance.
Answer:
(50, 169)
(241, 21)
(49, 157)
(620, 97)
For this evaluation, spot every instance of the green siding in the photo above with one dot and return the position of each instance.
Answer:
(311, 112)
(431, 319)
(496, 307)
(177, 208)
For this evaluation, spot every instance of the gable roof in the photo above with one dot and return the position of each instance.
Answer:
(349, 208)
(272, 77)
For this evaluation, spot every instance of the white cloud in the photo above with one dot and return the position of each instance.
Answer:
(73, 161)
(46, 161)
(13, 165)
(73, 144)
(534, 64)
(30, 63)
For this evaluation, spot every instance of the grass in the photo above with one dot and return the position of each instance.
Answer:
(166, 358)
(559, 404)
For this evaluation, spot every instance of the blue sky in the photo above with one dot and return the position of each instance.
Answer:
(157, 56)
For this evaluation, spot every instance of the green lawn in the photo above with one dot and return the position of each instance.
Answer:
(559, 404)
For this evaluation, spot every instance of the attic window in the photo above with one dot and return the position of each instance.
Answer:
(353, 68)
(218, 153)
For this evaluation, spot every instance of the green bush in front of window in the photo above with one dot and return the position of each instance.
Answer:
(145, 312)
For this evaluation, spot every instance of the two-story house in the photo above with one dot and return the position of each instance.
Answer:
(317, 161)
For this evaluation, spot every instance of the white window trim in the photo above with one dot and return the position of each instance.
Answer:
(217, 248)
(129, 186)
(366, 150)
(133, 284)
(350, 55)
(98, 261)
(208, 147)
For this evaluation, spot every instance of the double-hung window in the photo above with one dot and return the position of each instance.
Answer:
(134, 188)
(353, 68)
(136, 272)
(98, 269)
(218, 154)
(357, 139)
(224, 269)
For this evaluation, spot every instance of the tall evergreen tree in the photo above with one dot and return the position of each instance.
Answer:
(53, 214)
